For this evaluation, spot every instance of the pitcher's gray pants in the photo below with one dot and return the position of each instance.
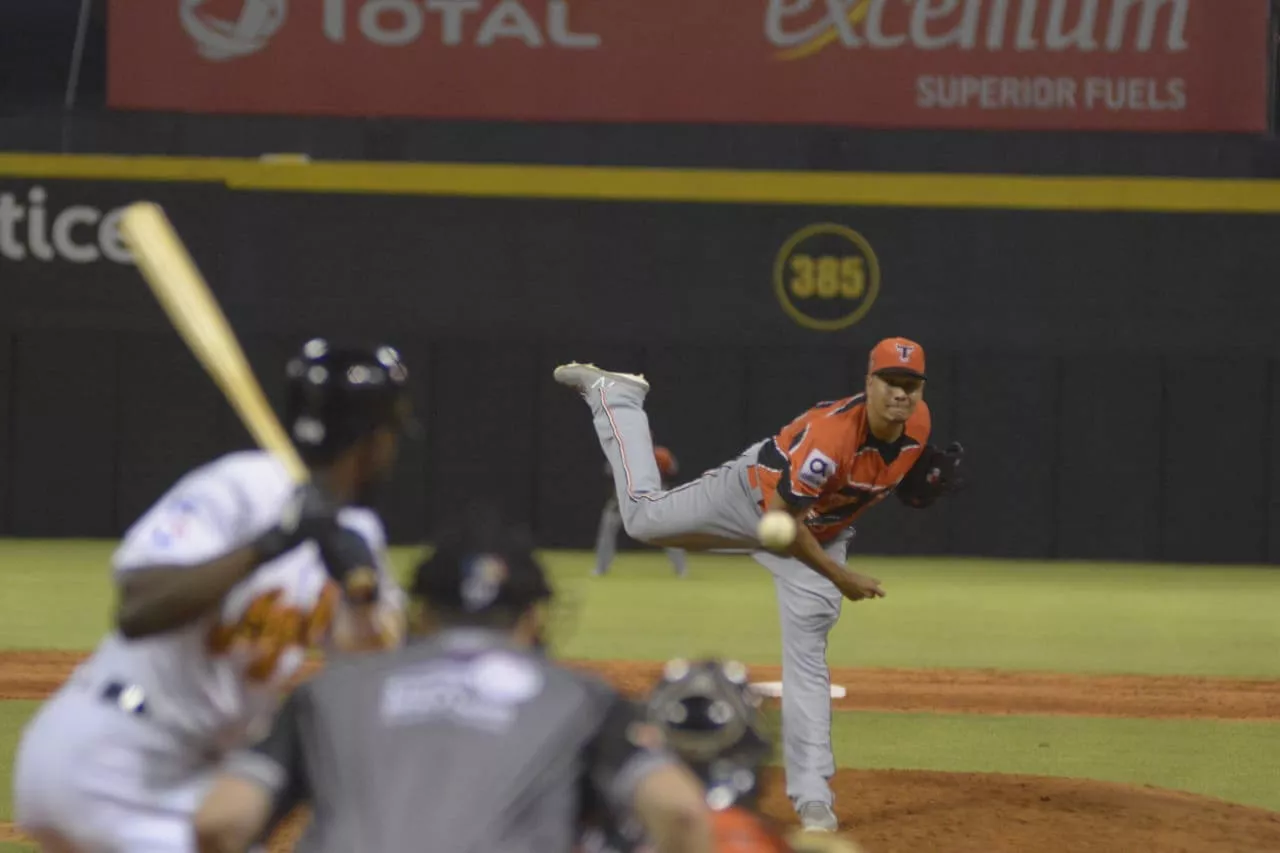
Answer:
(809, 606)
(607, 541)
(722, 504)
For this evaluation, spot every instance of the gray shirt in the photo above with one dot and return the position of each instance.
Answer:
(457, 744)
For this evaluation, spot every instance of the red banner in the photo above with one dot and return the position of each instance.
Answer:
(1025, 64)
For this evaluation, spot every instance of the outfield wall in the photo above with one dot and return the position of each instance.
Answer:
(1104, 347)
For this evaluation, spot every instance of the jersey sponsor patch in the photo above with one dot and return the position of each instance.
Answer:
(816, 469)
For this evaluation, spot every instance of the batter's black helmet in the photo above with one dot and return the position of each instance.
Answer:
(338, 394)
(711, 719)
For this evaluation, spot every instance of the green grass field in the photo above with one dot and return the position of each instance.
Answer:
(1066, 617)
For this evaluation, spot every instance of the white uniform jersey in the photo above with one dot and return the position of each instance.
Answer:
(198, 682)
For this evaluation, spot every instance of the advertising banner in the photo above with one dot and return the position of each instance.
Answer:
(64, 263)
(1171, 65)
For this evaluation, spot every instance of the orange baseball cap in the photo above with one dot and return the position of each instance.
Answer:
(898, 355)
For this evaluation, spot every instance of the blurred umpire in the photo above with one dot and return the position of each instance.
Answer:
(468, 740)
(710, 718)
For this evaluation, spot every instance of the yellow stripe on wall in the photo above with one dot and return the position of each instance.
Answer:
(721, 186)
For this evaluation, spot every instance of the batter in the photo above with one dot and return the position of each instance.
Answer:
(223, 585)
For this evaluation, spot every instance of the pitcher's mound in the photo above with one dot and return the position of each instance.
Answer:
(903, 811)
(906, 811)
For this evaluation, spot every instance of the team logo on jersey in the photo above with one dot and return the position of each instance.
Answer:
(826, 277)
(816, 469)
(222, 38)
(174, 522)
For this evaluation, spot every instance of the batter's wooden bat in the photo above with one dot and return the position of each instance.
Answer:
(185, 296)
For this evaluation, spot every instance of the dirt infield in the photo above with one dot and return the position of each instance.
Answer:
(34, 675)
(909, 812)
(991, 692)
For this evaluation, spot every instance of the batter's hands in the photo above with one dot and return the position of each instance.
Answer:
(855, 586)
(308, 514)
(350, 561)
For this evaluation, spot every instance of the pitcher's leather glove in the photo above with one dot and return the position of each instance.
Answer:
(936, 473)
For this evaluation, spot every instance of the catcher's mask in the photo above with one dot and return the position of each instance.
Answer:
(711, 719)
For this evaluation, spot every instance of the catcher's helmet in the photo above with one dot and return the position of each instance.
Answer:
(711, 719)
(337, 394)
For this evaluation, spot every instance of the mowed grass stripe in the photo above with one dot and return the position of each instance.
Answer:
(1233, 761)
(976, 614)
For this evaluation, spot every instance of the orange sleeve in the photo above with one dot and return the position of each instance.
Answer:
(811, 460)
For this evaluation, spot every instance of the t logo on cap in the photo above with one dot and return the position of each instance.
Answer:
(897, 355)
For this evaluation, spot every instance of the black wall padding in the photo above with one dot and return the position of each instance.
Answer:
(65, 455)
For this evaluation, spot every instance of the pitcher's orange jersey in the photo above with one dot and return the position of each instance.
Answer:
(828, 460)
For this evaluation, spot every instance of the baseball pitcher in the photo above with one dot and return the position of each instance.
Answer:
(825, 468)
(223, 584)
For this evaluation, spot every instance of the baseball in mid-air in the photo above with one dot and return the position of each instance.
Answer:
(776, 530)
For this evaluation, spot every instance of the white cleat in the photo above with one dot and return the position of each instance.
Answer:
(584, 377)
(817, 817)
